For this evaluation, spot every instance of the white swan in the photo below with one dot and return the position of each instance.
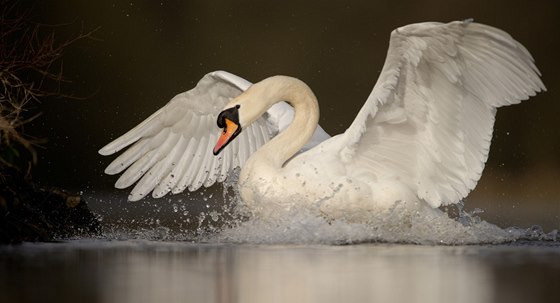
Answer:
(422, 136)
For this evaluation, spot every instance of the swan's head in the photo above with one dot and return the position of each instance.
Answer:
(243, 110)
(228, 120)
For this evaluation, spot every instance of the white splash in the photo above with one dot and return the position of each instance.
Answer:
(302, 226)
(230, 223)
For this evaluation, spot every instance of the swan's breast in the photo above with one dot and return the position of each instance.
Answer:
(326, 189)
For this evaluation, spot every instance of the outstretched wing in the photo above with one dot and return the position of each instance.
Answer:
(172, 149)
(429, 119)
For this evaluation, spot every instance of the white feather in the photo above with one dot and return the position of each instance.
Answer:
(448, 79)
(164, 161)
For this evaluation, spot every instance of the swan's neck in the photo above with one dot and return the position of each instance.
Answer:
(306, 116)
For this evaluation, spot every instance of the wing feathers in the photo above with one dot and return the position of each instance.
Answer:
(213, 167)
(428, 121)
(146, 128)
(203, 170)
(128, 157)
(172, 149)
(141, 166)
(172, 161)
(148, 182)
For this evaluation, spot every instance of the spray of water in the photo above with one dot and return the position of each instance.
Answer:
(231, 222)
(403, 223)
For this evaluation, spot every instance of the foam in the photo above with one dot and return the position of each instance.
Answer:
(399, 225)
(231, 223)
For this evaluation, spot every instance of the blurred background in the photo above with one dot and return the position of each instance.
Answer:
(145, 52)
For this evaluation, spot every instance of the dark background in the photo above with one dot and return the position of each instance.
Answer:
(148, 51)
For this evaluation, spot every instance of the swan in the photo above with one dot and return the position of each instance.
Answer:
(422, 136)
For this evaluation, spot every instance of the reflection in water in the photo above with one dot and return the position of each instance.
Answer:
(148, 271)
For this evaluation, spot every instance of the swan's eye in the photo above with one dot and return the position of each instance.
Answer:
(221, 121)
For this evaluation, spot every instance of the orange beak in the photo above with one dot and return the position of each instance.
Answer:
(230, 132)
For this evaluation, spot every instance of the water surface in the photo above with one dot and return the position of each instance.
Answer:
(157, 271)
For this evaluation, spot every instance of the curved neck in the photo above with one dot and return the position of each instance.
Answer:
(306, 116)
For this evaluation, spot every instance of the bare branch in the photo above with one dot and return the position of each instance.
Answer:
(31, 69)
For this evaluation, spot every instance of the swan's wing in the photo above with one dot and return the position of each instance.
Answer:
(172, 149)
(429, 119)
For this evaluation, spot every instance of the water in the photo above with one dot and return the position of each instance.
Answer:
(158, 271)
(216, 254)
(220, 219)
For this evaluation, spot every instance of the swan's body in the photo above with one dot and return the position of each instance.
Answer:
(422, 136)
(274, 180)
